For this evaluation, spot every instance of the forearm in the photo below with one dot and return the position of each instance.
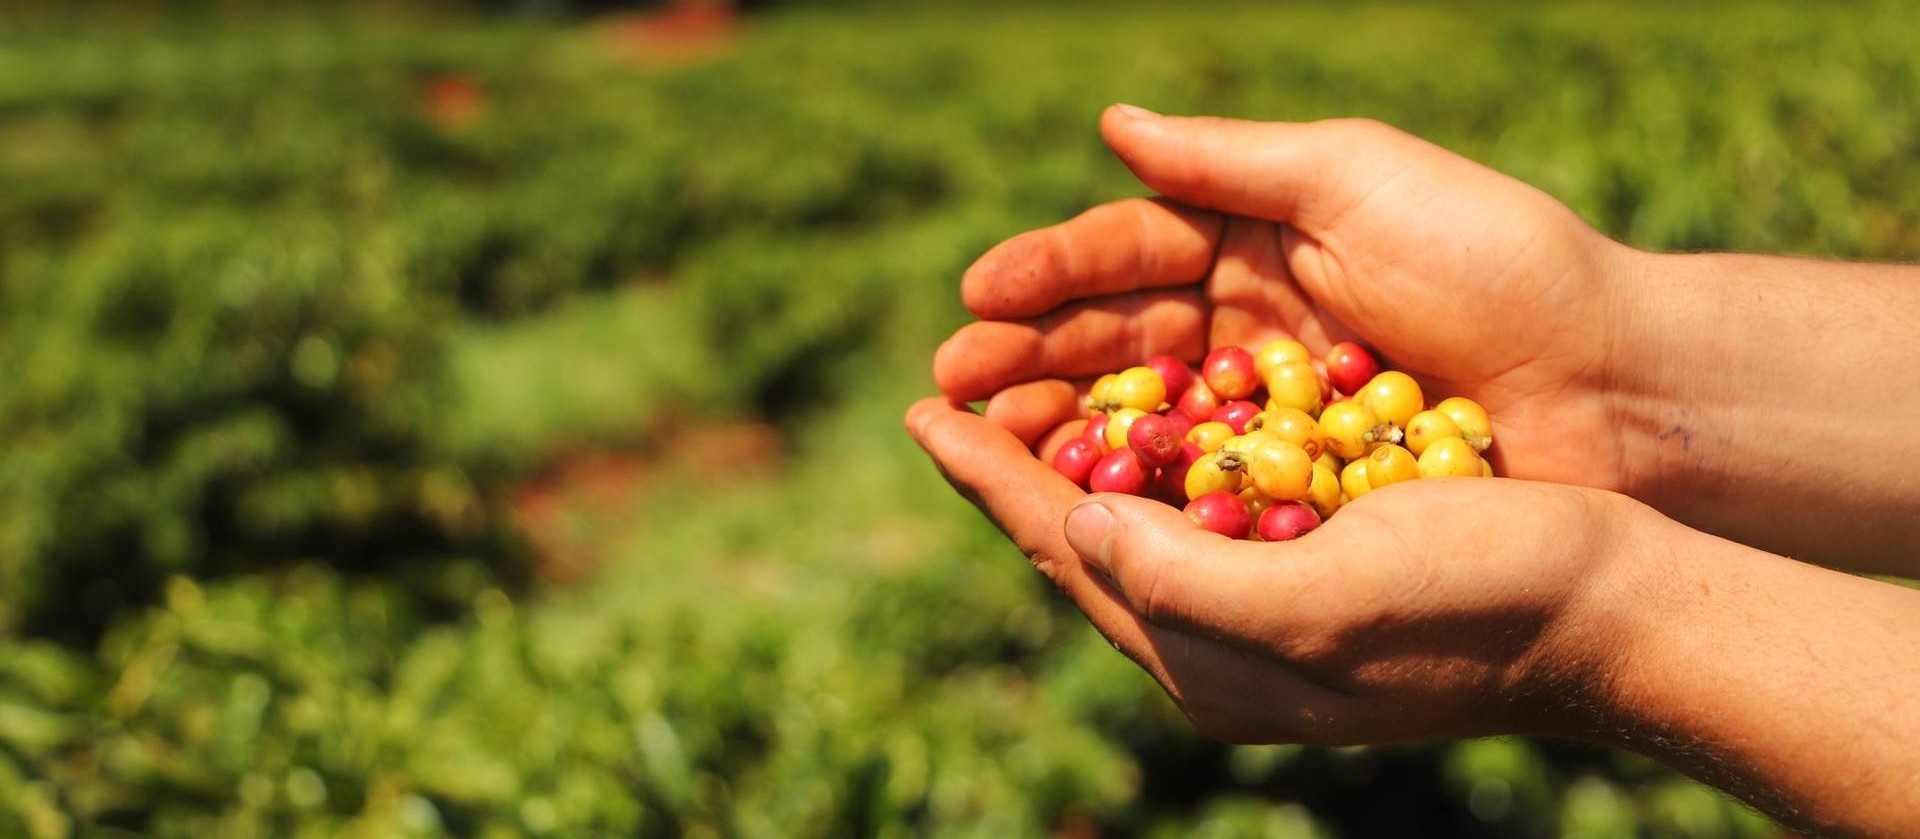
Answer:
(1773, 401)
(1791, 686)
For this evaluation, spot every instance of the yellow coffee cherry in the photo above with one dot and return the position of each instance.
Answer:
(1215, 472)
(1450, 457)
(1323, 493)
(1291, 425)
(1486, 468)
(1138, 387)
(1100, 398)
(1275, 353)
(1209, 435)
(1294, 384)
(1426, 427)
(1475, 426)
(1118, 423)
(1348, 428)
(1327, 459)
(1394, 397)
(1391, 464)
(1280, 470)
(1353, 480)
(1257, 502)
(1243, 444)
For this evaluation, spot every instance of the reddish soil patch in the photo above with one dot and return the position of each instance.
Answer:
(581, 493)
(1076, 826)
(453, 101)
(684, 31)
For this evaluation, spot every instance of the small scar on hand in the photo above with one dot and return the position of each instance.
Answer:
(1681, 433)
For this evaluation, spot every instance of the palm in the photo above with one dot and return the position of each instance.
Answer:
(1507, 323)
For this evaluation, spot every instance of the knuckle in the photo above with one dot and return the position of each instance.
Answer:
(1048, 565)
(1157, 595)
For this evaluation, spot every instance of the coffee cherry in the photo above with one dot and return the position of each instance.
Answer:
(1333, 464)
(1096, 432)
(1391, 464)
(1280, 470)
(1326, 387)
(1257, 502)
(1353, 480)
(1222, 513)
(1275, 353)
(1230, 373)
(1076, 459)
(1349, 429)
(1285, 436)
(1198, 402)
(1120, 471)
(1293, 384)
(1181, 423)
(1392, 396)
(1472, 419)
(1292, 426)
(1350, 367)
(1216, 472)
(1139, 387)
(1174, 373)
(1451, 457)
(1209, 436)
(1152, 438)
(1118, 423)
(1242, 444)
(1287, 521)
(1170, 482)
(1323, 494)
(1100, 396)
(1236, 414)
(1426, 427)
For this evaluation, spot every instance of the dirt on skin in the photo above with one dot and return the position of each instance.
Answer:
(570, 507)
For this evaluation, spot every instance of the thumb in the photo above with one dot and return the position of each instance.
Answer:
(1167, 569)
(1288, 172)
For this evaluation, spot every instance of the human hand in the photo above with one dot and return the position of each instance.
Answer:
(1442, 609)
(1475, 283)
(1425, 609)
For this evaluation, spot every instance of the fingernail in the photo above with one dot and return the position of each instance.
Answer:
(1090, 532)
(1136, 111)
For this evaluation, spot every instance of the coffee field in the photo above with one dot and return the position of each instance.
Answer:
(433, 426)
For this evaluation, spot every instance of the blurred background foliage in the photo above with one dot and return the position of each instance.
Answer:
(438, 422)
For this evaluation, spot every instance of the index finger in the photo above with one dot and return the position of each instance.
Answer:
(1113, 248)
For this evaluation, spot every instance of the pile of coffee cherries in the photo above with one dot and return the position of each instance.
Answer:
(1265, 445)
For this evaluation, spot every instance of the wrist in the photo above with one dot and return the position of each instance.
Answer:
(1727, 379)
(1658, 401)
(1573, 680)
(1773, 680)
